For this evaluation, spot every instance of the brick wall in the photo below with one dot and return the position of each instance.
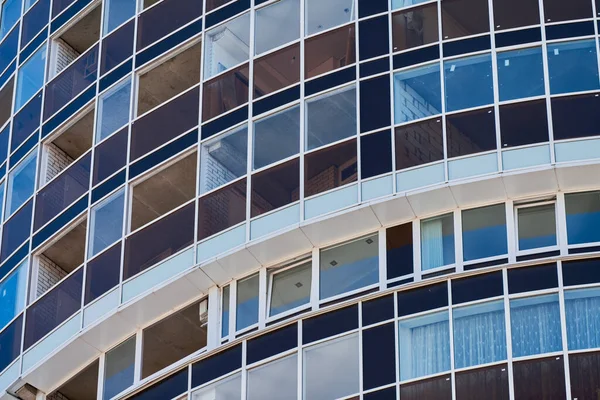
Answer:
(65, 55)
(49, 274)
(409, 104)
(56, 161)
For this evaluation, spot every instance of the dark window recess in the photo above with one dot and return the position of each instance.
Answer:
(464, 18)
(225, 92)
(523, 123)
(399, 254)
(375, 103)
(419, 143)
(415, 27)
(439, 388)
(10, 342)
(110, 156)
(580, 272)
(117, 47)
(584, 370)
(471, 132)
(167, 388)
(376, 154)
(26, 121)
(275, 187)
(384, 394)
(221, 209)
(477, 287)
(505, 16)
(272, 343)
(371, 7)
(16, 230)
(555, 10)
(583, 109)
(422, 299)
(35, 19)
(102, 273)
(377, 310)
(164, 18)
(528, 279)
(485, 383)
(373, 39)
(330, 168)
(216, 365)
(379, 356)
(330, 324)
(540, 379)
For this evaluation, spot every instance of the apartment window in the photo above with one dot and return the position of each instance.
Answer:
(399, 250)
(429, 150)
(415, 27)
(10, 14)
(102, 273)
(224, 159)
(1, 197)
(471, 132)
(464, 18)
(289, 288)
(338, 107)
(275, 187)
(222, 209)
(535, 325)
(106, 223)
(275, 380)
(584, 384)
(555, 10)
(10, 340)
(540, 378)
(573, 66)
(583, 217)
(468, 82)
(276, 137)
(490, 382)
(437, 242)
(276, 70)
(116, 12)
(505, 16)
(417, 93)
(113, 109)
(227, 45)
(276, 25)
(30, 77)
(6, 109)
(247, 302)
(225, 311)
(225, 92)
(484, 232)
(520, 73)
(21, 183)
(536, 226)
(12, 293)
(110, 156)
(349, 267)
(396, 4)
(119, 368)
(330, 51)
(229, 388)
(582, 318)
(321, 15)
(523, 123)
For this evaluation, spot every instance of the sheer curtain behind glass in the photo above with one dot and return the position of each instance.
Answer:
(535, 325)
(582, 309)
(437, 242)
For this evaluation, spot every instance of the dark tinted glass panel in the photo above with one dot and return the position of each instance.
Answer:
(329, 324)
(217, 365)
(555, 10)
(584, 369)
(164, 123)
(464, 18)
(222, 209)
(10, 342)
(431, 389)
(110, 156)
(476, 288)
(422, 299)
(379, 356)
(419, 143)
(225, 92)
(486, 383)
(375, 154)
(117, 47)
(399, 245)
(384, 394)
(8, 48)
(373, 37)
(272, 343)
(71, 81)
(505, 16)
(581, 272)
(532, 278)
(371, 7)
(375, 103)
(59, 5)
(102, 273)
(4, 143)
(330, 168)
(275, 187)
(16, 230)
(471, 132)
(164, 18)
(168, 388)
(158, 241)
(71, 184)
(330, 51)
(26, 121)
(377, 310)
(212, 4)
(276, 71)
(53, 308)
(35, 19)
(523, 123)
(415, 27)
(583, 109)
(540, 379)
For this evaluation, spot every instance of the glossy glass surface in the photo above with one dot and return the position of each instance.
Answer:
(102, 273)
(415, 27)
(106, 223)
(537, 227)
(13, 293)
(116, 12)
(535, 325)
(275, 187)
(468, 82)
(119, 368)
(21, 183)
(573, 66)
(221, 209)
(246, 306)
(113, 109)
(330, 51)
(289, 289)
(276, 137)
(226, 46)
(30, 77)
(437, 242)
(417, 93)
(164, 18)
(484, 232)
(521, 73)
(330, 167)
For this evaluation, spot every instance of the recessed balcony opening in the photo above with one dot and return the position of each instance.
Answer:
(68, 146)
(58, 260)
(6, 95)
(83, 386)
(169, 79)
(163, 191)
(75, 41)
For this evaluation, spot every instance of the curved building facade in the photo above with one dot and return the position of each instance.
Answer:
(299, 199)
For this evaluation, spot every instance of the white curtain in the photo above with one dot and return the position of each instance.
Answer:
(583, 322)
(432, 244)
(424, 350)
(479, 339)
(535, 329)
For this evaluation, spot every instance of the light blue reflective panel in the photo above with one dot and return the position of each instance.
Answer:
(417, 93)
(21, 183)
(276, 25)
(12, 294)
(11, 12)
(437, 242)
(468, 82)
(521, 73)
(290, 288)
(119, 368)
(229, 388)
(225, 312)
(113, 109)
(573, 66)
(583, 217)
(275, 380)
(116, 12)
(349, 267)
(247, 302)
(479, 334)
(30, 77)
(535, 325)
(331, 117)
(106, 223)
(27, 4)
(1, 199)
(424, 345)
(405, 3)
(582, 310)
(276, 137)
(484, 232)
(322, 15)
(537, 227)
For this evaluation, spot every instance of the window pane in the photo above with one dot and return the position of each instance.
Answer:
(417, 93)
(582, 309)
(520, 73)
(468, 82)
(479, 334)
(11, 12)
(119, 368)
(330, 51)
(117, 47)
(437, 242)
(110, 156)
(583, 217)
(275, 380)
(30, 77)
(491, 382)
(331, 117)
(535, 325)
(537, 227)
(225, 92)
(290, 289)
(1, 197)
(21, 182)
(223, 159)
(113, 109)
(329, 168)
(166, 17)
(276, 25)
(275, 187)
(523, 123)
(225, 312)
(349, 267)
(505, 16)
(540, 379)
(12, 294)
(409, 153)
(10, 342)
(399, 246)
(16, 230)
(227, 45)
(484, 232)
(573, 66)
(439, 388)
(584, 370)
(405, 3)
(555, 10)
(375, 154)
(424, 345)
(416, 27)
(106, 223)
(276, 71)
(229, 388)
(34, 20)
(102, 273)
(221, 209)
(331, 369)
(116, 12)
(247, 302)
(471, 132)
(322, 15)
(276, 137)
(464, 18)
(583, 109)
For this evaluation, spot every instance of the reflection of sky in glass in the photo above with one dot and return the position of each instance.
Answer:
(31, 77)
(106, 223)
(116, 12)
(468, 82)
(247, 303)
(12, 294)
(520, 73)
(21, 182)
(417, 93)
(573, 66)
(113, 109)
(11, 11)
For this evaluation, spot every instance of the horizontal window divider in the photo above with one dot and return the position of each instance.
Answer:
(106, 196)
(478, 301)
(221, 187)
(96, 300)
(582, 245)
(286, 314)
(189, 150)
(466, 55)
(328, 73)
(560, 353)
(378, 388)
(9, 216)
(346, 24)
(415, 48)
(104, 139)
(374, 178)
(50, 333)
(24, 245)
(55, 177)
(577, 139)
(65, 25)
(165, 215)
(568, 22)
(526, 146)
(521, 46)
(105, 250)
(16, 24)
(20, 314)
(538, 250)
(270, 212)
(277, 356)
(583, 351)
(332, 144)
(406, 8)
(426, 377)
(228, 3)
(59, 214)
(330, 338)
(472, 155)
(476, 108)
(481, 366)
(21, 146)
(276, 49)
(6, 69)
(323, 302)
(467, 37)
(571, 39)
(373, 16)
(213, 119)
(13, 362)
(273, 94)
(41, 32)
(275, 110)
(228, 251)
(314, 196)
(87, 104)
(70, 274)
(118, 82)
(533, 293)
(522, 100)
(212, 24)
(275, 164)
(171, 53)
(518, 28)
(56, 235)
(190, 89)
(104, 36)
(572, 94)
(414, 121)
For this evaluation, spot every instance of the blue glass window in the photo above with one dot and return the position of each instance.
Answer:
(323, 15)
(276, 137)
(116, 12)
(521, 73)
(536, 227)
(479, 334)
(535, 325)
(583, 217)
(10, 14)
(119, 368)
(247, 302)
(225, 312)
(289, 289)
(21, 183)
(113, 109)
(12, 294)
(468, 82)
(573, 66)
(417, 93)
(484, 232)
(582, 309)
(276, 25)
(226, 45)
(106, 223)
(437, 242)
(30, 77)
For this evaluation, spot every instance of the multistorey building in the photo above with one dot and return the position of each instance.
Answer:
(299, 199)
